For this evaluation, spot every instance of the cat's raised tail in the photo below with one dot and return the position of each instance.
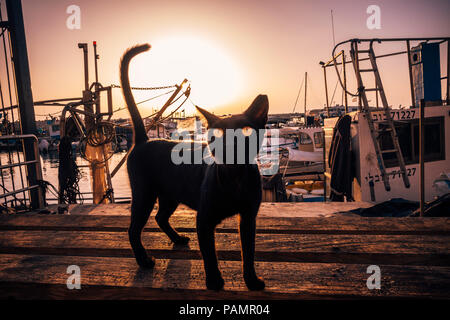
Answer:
(140, 134)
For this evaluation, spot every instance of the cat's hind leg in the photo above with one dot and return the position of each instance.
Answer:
(141, 207)
(166, 208)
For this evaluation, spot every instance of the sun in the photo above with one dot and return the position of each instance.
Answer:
(215, 78)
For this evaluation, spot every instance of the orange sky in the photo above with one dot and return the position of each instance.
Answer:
(231, 50)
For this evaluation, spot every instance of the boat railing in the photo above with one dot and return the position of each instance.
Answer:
(338, 57)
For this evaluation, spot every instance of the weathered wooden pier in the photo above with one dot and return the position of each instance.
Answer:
(298, 257)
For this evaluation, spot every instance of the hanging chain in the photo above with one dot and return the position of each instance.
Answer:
(145, 88)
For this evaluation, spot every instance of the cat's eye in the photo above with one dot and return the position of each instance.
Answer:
(218, 133)
(247, 131)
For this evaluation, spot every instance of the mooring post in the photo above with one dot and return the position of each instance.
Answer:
(24, 94)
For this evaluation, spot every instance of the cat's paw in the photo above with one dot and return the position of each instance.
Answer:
(146, 263)
(181, 241)
(254, 283)
(215, 283)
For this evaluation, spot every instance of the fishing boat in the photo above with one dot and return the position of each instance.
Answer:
(384, 158)
(300, 150)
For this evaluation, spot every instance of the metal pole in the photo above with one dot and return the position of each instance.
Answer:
(354, 49)
(421, 155)
(448, 71)
(411, 81)
(331, 63)
(376, 94)
(345, 82)
(89, 120)
(96, 57)
(24, 93)
(324, 169)
(306, 87)
(86, 64)
(96, 86)
(326, 90)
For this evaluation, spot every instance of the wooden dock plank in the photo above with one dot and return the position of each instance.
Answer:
(334, 225)
(397, 249)
(267, 209)
(324, 258)
(103, 277)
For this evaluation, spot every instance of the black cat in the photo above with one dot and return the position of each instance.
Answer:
(216, 191)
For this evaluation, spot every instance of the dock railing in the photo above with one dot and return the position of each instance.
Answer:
(17, 192)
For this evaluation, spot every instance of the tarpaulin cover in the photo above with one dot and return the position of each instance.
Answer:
(340, 161)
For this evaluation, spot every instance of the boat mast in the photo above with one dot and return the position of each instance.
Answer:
(332, 28)
(306, 87)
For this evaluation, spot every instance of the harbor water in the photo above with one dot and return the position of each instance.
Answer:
(50, 163)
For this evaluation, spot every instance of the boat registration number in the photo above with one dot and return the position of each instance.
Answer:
(395, 115)
(396, 174)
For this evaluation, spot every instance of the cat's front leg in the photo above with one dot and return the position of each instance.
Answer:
(247, 231)
(206, 241)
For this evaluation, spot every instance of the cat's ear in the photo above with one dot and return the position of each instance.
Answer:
(258, 110)
(210, 118)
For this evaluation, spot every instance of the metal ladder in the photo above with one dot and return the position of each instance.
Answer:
(364, 107)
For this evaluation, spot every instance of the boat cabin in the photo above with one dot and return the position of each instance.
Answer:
(307, 139)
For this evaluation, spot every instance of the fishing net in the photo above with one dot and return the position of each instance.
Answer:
(68, 173)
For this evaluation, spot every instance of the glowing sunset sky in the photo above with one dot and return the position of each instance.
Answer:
(230, 50)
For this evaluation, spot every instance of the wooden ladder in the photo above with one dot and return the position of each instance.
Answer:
(364, 107)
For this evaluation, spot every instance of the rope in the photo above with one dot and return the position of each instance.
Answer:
(48, 114)
(159, 95)
(101, 134)
(339, 76)
(158, 121)
(286, 166)
(298, 94)
(45, 187)
(107, 194)
(282, 145)
(334, 92)
(163, 119)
